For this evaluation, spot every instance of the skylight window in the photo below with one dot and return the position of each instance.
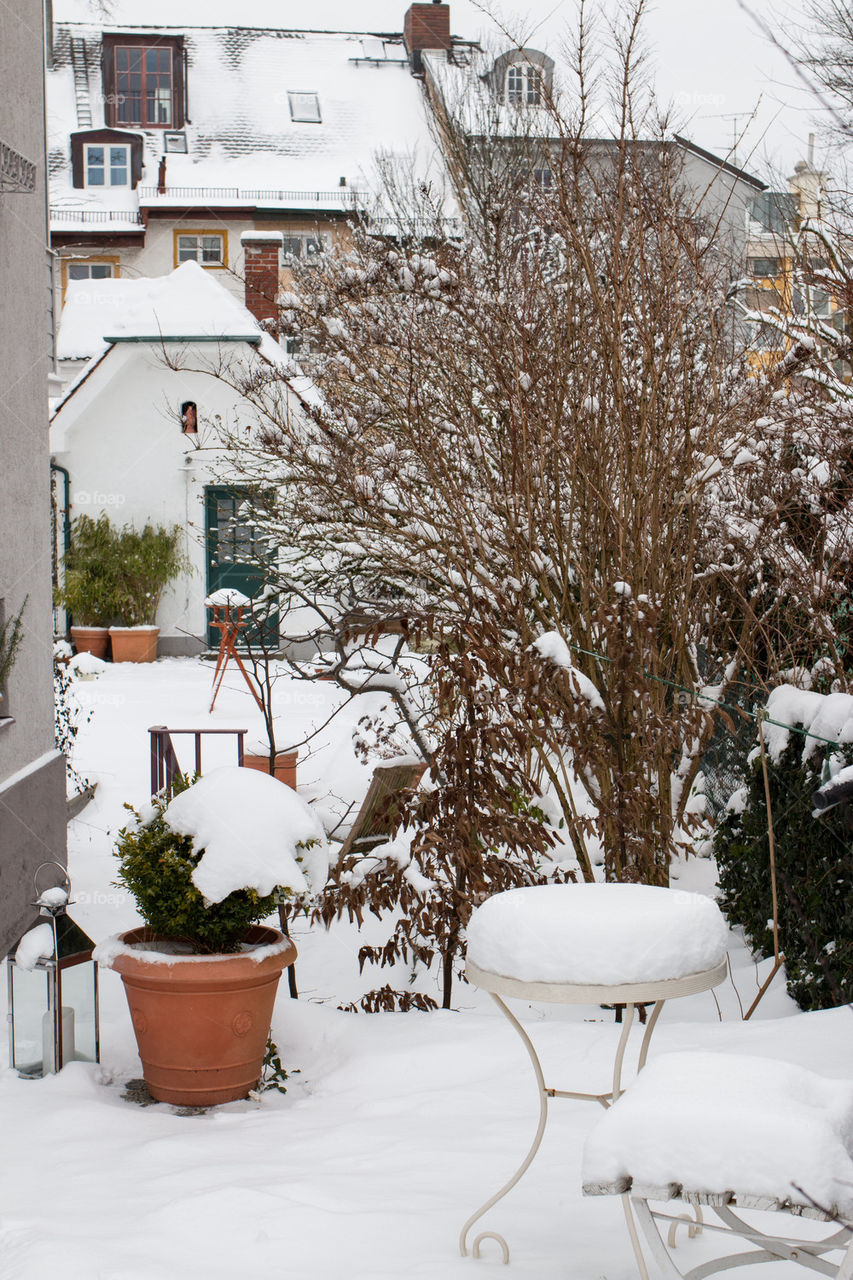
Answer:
(304, 108)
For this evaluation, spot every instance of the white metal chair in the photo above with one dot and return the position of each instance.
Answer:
(734, 1134)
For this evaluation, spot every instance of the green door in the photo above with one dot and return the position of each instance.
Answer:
(234, 554)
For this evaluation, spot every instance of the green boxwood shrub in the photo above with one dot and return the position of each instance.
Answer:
(814, 872)
(89, 589)
(156, 866)
(118, 575)
(148, 559)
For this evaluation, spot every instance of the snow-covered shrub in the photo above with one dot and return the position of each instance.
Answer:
(814, 855)
(477, 831)
(212, 905)
(68, 716)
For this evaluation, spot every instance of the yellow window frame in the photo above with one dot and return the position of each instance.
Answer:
(96, 258)
(203, 231)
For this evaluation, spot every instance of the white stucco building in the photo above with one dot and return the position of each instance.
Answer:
(137, 352)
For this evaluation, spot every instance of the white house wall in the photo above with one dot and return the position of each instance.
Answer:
(119, 436)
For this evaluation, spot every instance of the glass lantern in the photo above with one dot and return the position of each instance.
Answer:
(53, 990)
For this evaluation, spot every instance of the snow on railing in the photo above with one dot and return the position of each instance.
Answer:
(340, 196)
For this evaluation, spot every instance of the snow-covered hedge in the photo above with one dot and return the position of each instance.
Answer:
(814, 854)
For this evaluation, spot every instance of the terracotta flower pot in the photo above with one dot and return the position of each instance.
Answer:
(134, 644)
(92, 640)
(285, 766)
(202, 1022)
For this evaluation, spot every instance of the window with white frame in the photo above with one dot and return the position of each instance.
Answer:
(206, 249)
(303, 246)
(304, 108)
(107, 165)
(523, 85)
(90, 270)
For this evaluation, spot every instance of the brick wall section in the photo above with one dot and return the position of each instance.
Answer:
(427, 26)
(261, 258)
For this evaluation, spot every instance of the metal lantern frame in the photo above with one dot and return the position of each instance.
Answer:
(71, 948)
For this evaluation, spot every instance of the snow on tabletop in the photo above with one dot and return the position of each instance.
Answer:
(249, 825)
(35, 945)
(227, 596)
(596, 934)
(727, 1122)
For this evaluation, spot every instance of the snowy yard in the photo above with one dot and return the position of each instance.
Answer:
(396, 1127)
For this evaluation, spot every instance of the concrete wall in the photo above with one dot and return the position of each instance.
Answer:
(32, 809)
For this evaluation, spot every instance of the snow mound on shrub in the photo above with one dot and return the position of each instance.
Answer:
(250, 826)
(827, 716)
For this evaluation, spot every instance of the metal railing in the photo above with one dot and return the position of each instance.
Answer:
(165, 766)
(61, 214)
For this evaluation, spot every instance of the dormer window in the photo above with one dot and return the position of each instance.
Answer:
(143, 81)
(523, 85)
(107, 166)
(106, 158)
(521, 77)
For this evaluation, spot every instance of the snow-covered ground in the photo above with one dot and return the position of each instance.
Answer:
(396, 1127)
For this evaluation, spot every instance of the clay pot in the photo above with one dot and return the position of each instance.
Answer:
(285, 766)
(202, 1022)
(92, 640)
(134, 644)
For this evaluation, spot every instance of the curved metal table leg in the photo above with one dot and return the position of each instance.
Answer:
(627, 1023)
(528, 1159)
(650, 1026)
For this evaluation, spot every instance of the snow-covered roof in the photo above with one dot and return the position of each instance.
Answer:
(471, 87)
(243, 147)
(187, 303)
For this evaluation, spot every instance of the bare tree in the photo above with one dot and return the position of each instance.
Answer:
(540, 451)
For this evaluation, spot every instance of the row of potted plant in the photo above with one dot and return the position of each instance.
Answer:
(112, 582)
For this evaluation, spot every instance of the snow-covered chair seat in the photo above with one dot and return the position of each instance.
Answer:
(598, 935)
(730, 1132)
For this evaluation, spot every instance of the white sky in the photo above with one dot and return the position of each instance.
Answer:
(710, 59)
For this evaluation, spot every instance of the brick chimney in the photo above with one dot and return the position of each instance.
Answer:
(261, 252)
(426, 26)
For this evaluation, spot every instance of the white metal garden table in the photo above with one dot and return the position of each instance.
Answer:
(547, 943)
